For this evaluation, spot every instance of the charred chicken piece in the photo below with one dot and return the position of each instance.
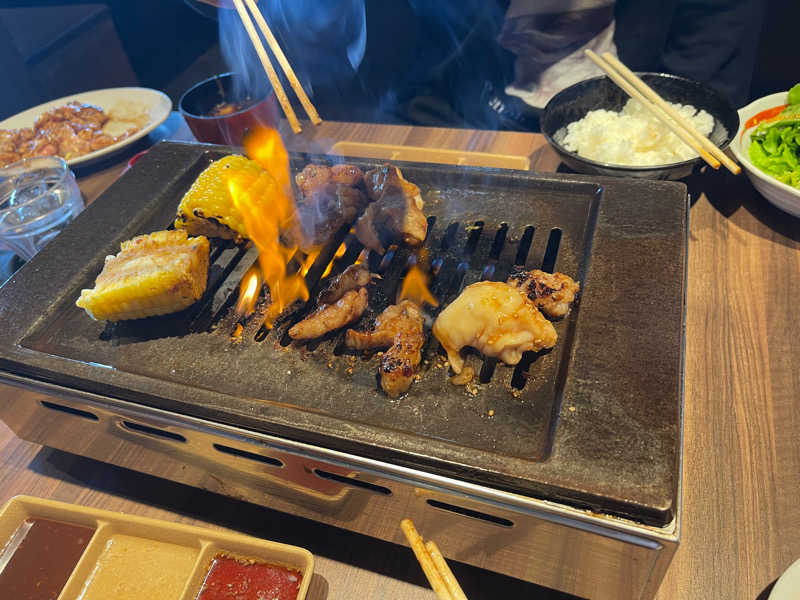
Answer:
(395, 216)
(347, 174)
(379, 179)
(330, 317)
(552, 293)
(326, 209)
(352, 278)
(398, 328)
(314, 176)
(496, 319)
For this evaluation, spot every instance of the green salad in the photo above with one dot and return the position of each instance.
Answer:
(775, 143)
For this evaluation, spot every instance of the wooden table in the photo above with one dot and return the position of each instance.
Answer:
(741, 515)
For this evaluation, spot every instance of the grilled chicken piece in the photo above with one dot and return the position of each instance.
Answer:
(553, 293)
(352, 278)
(329, 317)
(347, 174)
(154, 274)
(398, 328)
(380, 178)
(314, 176)
(395, 216)
(496, 319)
(326, 209)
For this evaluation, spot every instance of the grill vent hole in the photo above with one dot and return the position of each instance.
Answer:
(474, 235)
(524, 246)
(431, 223)
(468, 512)
(520, 376)
(84, 414)
(261, 334)
(154, 431)
(499, 241)
(450, 236)
(364, 485)
(487, 370)
(550, 254)
(267, 460)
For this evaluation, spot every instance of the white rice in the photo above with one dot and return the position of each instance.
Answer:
(633, 137)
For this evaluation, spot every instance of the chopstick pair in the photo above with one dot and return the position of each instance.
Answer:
(638, 89)
(433, 564)
(269, 69)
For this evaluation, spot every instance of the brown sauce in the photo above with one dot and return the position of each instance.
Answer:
(39, 558)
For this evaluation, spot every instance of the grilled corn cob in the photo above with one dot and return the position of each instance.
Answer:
(208, 207)
(154, 274)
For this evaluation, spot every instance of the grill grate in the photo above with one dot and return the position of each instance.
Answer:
(450, 252)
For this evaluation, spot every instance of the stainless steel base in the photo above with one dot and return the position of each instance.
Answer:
(553, 545)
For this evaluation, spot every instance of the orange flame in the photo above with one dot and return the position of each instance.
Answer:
(265, 203)
(415, 288)
(336, 255)
(306, 263)
(249, 289)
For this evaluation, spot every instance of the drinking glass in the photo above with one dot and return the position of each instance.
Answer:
(38, 198)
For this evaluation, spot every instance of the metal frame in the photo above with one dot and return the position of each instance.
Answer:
(554, 545)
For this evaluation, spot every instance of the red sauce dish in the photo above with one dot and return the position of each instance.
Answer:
(232, 578)
(219, 111)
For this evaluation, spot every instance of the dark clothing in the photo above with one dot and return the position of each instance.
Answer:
(711, 41)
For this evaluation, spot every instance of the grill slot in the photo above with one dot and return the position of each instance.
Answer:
(551, 252)
(153, 431)
(260, 458)
(473, 514)
(524, 246)
(356, 483)
(84, 414)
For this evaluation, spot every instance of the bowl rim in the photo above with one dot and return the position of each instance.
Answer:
(227, 75)
(633, 168)
(743, 157)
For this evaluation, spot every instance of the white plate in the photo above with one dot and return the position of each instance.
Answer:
(157, 103)
(788, 586)
(785, 197)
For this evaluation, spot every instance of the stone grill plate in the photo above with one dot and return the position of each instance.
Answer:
(595, 423)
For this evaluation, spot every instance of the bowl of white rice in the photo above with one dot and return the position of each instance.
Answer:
(596, 128)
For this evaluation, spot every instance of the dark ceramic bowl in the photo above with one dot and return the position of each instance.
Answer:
(198, 103)
(574, 102)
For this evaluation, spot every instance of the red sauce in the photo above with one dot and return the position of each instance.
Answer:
(764, 115)
(231, 578)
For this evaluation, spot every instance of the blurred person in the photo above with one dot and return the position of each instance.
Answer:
(494, 64)
(711, 41)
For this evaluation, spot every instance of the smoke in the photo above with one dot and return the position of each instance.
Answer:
(324, 40)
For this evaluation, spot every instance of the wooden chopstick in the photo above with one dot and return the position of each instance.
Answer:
(268, 68)
(674, 126)
(434, 566)
(441, 565)
(651, 95)
(284, 63)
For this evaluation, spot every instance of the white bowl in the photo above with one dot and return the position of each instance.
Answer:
(781, 195)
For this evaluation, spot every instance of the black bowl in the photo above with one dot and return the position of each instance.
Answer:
(572, 104)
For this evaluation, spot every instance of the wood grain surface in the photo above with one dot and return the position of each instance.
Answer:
(741, 515)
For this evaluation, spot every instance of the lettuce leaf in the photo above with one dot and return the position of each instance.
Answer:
(794, 94)
(775, 149)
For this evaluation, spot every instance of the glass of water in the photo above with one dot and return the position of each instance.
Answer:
(38, 198)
